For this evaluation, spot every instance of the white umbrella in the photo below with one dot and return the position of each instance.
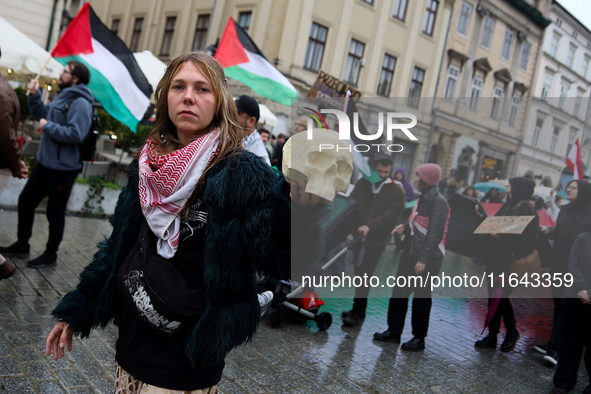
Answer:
(22, 54)
(152, 67)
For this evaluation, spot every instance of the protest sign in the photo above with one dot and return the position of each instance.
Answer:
(328, 90)
(504, 225)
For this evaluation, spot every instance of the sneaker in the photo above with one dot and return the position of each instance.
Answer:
(353, 318)
(551, 356)
(488, 342)
(7, 270)
(414, 345)
(510, 341)
(541, 348)
(47, 259)
(387, 336)
(15, 250)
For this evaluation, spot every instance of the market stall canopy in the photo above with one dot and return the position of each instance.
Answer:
(22, 54)
(267, 117)
(152, 67)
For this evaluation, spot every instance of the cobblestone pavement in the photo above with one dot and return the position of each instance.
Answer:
(295, 359)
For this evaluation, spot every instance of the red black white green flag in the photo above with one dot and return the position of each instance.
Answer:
(243, 60)
(116, 80)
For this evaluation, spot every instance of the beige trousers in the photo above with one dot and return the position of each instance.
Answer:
(127, 384)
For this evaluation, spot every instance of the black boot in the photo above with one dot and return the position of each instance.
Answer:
(347, 313)
(414, 345)
(47, 259)
(353, 318)
(488, 342)
(510, 341)
(387, 336)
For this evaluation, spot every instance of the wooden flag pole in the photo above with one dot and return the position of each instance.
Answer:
(39, 73)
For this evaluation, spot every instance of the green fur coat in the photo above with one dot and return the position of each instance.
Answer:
(249, 234)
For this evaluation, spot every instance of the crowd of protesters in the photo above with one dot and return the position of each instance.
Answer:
(192, 356)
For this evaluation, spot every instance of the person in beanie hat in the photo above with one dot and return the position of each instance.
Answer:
(429, 173)
(249, 114)
(423, 250)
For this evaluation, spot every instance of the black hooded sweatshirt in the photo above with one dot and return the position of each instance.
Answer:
(573, 219)
(498, 253)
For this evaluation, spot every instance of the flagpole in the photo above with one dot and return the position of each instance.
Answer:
(39, 73)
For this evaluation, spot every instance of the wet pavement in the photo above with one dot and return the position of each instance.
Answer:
(297, 358)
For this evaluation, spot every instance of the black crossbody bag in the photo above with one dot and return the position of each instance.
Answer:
(156, 292)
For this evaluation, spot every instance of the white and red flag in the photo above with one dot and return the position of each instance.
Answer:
(574, 162)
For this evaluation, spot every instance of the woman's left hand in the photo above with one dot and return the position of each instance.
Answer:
(299, 196)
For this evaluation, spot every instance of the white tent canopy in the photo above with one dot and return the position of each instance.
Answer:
(267, 117)
(22, 54)
(152, 67)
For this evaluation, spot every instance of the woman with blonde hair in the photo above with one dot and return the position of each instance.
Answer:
(199, 220)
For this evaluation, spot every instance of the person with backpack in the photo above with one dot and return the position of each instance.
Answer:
(65, 124)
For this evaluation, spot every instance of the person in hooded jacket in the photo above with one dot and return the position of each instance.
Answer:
(573, 220)
(423, 253)
(65, 124)
(400, 176)
(498, 251)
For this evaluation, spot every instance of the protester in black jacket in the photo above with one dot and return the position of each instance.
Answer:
(498, 251)
(423, 253)
(573, 219)
(576, 333)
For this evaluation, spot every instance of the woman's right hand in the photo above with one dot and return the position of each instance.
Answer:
(57, 340)
(545, 230)
(399, 229)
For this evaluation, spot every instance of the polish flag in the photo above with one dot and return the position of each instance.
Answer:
(574, 162)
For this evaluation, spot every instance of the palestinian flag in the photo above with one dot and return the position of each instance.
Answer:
(243, 61)
(116, 80)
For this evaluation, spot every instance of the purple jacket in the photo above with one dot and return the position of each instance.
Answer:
(410, 193)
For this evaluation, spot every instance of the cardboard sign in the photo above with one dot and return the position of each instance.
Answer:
(328, 90)
(504, 224)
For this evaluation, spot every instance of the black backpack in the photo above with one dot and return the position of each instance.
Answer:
(88, 145)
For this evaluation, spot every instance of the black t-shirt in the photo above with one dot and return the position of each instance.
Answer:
(157, 359)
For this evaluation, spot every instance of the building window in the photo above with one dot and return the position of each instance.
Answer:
(244, 20)
(464, 22)
(487, 32)
(514, 110)
(537, 132)
(453, 74)
(168, 34)
(430, 14)
(137, 33)
(404, 158)
(370, 2)
(578, 104)
(585, 66)
(508, 44)
(525, 51)
(315, 49)
(115, 25)
(475, 93)
(571, 56)
(386, 75)
(554, 45)
(554, 141)
(496, 103)
(547, 86)
(572, 137)
(201, 32)
(353, 66)
(563, 94)
(400, 9)
(416, 84)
